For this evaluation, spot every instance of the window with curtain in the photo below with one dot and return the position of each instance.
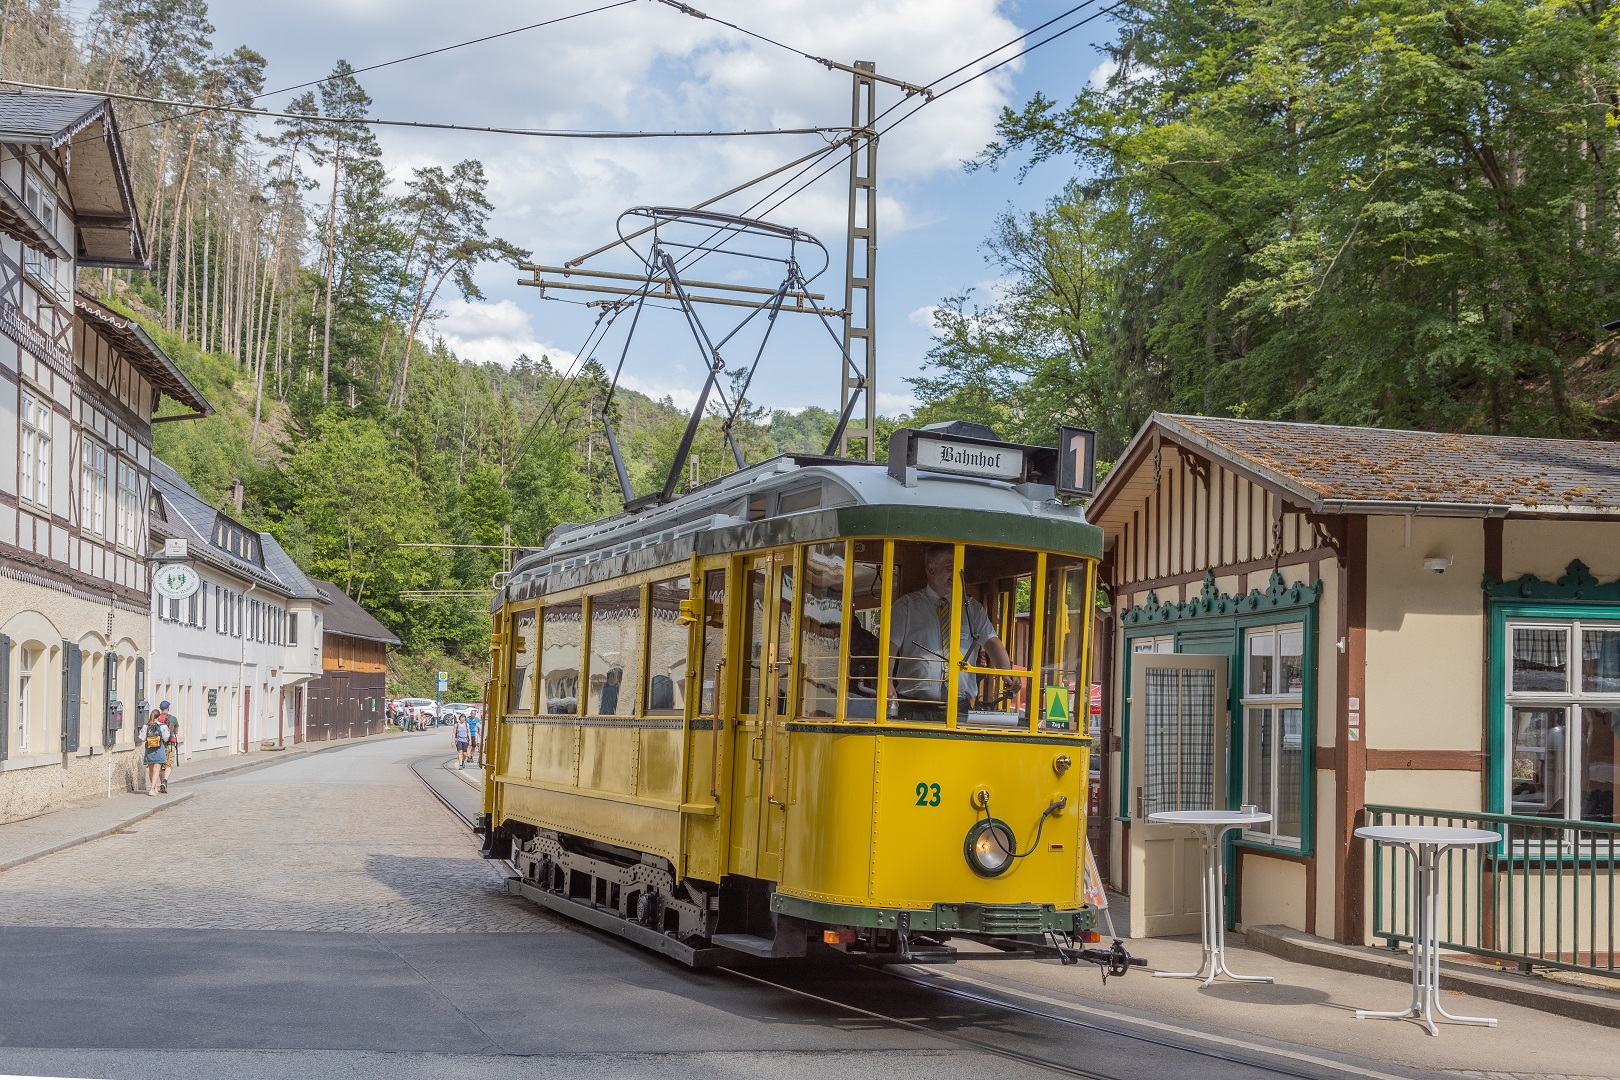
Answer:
(93, 484)
(1563, 717)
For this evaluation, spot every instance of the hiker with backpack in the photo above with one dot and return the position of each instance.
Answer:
(155, 741)
(463, 736)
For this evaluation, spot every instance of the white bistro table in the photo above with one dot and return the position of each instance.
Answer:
(1426, 843)
(1212, 827)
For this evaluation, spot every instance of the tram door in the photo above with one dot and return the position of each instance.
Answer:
(1178, 754)
(765, 686)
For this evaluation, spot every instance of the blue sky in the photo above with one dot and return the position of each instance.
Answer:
(646, 66)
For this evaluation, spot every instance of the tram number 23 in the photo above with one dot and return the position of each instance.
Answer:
(927, 794)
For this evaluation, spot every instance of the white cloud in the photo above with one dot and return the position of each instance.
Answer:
(923, 318)
(891, 404)
(1102, 73)
(495, 334)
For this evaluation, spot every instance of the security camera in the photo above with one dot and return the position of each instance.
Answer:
(1437, 564)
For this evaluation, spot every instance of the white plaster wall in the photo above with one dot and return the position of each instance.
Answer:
(1273, 892)
(1425, 635)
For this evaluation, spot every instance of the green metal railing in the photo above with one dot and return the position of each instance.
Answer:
(1545, 896)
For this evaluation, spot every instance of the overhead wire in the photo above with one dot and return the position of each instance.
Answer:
(403, 59)
(696, 257)
(371, 121)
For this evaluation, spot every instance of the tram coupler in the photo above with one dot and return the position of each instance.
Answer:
(1113, 960)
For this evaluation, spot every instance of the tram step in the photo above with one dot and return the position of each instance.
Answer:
(754, 945)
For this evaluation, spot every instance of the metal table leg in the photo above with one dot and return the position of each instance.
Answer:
(1214, 917)
(1425, 949)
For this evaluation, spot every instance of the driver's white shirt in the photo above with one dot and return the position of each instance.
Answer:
(918, 648)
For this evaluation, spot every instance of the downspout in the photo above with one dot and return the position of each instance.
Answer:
(241, 669)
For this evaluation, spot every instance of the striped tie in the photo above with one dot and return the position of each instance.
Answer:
(943, 610)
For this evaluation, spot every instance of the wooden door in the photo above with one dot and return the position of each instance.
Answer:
(779, 706)
(747, 703)
(1178, 750)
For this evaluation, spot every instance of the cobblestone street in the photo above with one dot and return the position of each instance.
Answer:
(341, 841)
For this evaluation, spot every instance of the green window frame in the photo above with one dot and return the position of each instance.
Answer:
(1499, 756)
(1217, 623)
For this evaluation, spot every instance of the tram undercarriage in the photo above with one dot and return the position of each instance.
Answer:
(635, 895)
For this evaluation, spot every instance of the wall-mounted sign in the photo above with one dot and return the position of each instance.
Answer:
(213, 703)
(176, 581)
(174, 549)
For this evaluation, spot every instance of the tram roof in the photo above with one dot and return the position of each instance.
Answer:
(795, 499)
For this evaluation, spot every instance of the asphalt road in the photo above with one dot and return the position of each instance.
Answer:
(120, 961)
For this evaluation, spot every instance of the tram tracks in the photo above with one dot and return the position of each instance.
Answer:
(1203, 1053)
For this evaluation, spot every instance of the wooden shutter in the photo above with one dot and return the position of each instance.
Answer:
(70, 698)
(5, 695)
(109, 684)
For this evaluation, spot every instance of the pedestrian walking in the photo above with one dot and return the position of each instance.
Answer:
(154, 740)
(463, 737)
(472, 726)
(171, 746)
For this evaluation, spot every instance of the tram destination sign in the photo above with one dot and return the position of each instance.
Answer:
(970, 458)
(964, 448)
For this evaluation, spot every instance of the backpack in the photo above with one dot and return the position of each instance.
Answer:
(154, 736)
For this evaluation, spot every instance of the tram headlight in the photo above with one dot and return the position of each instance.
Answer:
(989, 848)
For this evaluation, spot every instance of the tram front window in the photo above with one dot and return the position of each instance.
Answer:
(1064, 641)
(983, 604)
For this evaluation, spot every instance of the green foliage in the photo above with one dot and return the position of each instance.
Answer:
(1397, 214)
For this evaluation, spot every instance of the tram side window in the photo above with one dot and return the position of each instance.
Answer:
(714, 641)
(754, 614)
(615, 667)
(667, 638)
(525, 654)
(1065, 638)
(865, 629)
(559, 658)
(821, 627)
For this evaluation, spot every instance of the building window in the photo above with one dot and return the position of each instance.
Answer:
(1563, 715)
(25, 696)
(93, 481)
(1274, 730)
(129, 506)
(34, 455)
(42, 203)
(292, 629)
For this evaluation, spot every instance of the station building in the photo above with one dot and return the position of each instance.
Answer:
(1345, 626)
(78, 395)
(234, 658)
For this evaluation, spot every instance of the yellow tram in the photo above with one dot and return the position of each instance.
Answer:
(718, 726)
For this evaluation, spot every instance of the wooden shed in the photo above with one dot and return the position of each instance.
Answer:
(349, 700)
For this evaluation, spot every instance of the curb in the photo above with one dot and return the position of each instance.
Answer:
(87, 837)
(1593, 1007)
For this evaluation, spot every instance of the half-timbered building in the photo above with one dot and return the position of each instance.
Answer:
(79, 387)
(1344, 626)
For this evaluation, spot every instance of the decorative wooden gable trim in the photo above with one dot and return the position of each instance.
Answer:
(1211, 602)
(1576, 584)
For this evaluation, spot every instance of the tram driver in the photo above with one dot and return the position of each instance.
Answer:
(918, 627)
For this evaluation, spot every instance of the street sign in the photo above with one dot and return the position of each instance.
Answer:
(213, 703)
(444, 681)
